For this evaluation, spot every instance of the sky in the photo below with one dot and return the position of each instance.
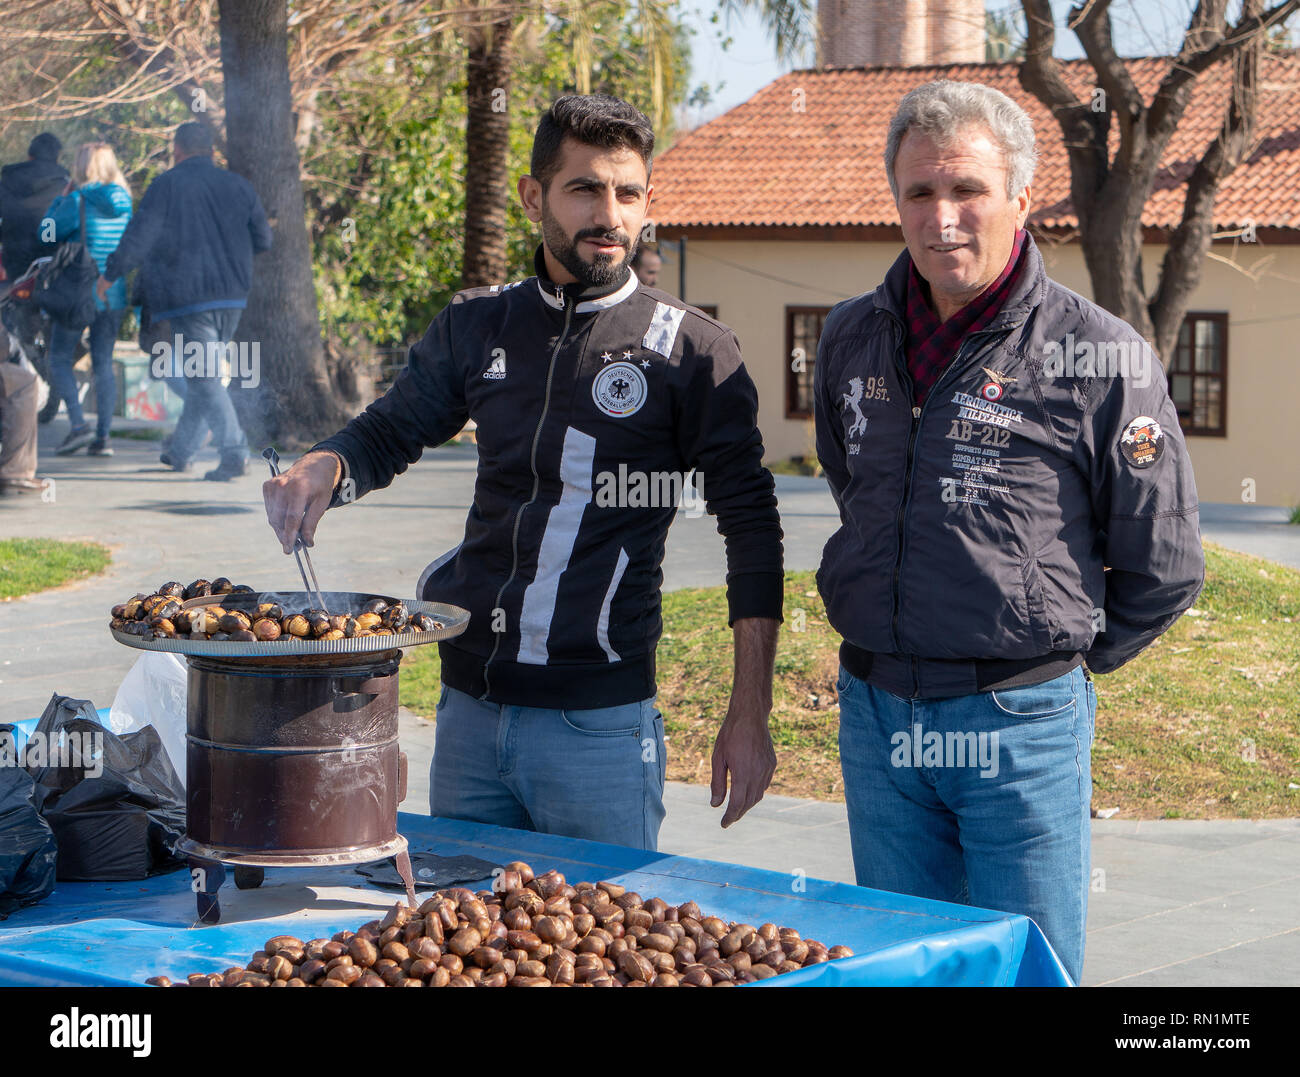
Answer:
(1142, 28)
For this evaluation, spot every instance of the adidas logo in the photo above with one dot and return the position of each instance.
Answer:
(497, 371)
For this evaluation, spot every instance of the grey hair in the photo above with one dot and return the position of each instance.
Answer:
(945, 108)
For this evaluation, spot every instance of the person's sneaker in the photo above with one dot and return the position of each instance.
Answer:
(78, 439)
(100, 447)
(171, 462)
(231, 467)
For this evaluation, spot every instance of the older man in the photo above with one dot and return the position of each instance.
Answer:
(1001, 526)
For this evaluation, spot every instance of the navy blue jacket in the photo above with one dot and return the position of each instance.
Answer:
(1040, 502)
(193, 238)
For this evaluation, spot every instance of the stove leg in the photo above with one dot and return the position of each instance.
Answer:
(206, 877)
(248, 876)
(403, 863)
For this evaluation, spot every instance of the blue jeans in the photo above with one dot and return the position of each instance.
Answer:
(62, 354)
(992, 812)
(207, 403)
(592, 774)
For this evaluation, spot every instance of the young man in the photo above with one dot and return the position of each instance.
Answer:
(1001, 524)
(584, 385)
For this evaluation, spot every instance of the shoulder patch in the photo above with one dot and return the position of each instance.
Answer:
(1142, 441)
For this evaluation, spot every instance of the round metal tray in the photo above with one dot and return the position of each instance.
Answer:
(454, 620)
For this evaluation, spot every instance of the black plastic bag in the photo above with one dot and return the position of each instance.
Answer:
(27, 848)
(114, 803)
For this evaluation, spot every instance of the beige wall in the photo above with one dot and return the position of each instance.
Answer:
(753, 282)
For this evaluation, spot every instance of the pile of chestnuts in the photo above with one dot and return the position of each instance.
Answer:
(531, 932)
(160, 616)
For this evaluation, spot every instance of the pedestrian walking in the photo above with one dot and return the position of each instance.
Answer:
(193, 238)
(99, 194)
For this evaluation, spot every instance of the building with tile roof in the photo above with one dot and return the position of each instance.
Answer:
(784, 208)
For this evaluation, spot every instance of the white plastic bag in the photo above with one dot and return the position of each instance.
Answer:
(153, 693)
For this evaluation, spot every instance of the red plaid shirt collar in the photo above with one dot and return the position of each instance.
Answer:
(931, 345)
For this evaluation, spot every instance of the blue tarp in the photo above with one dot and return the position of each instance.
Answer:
(123, 933)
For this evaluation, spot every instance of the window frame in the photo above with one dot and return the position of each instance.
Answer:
(1189, 321)
(791, 378)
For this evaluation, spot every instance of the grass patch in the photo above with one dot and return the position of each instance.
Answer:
(31, 565)
(1295, 516)
(1203, 724)
(143, 433)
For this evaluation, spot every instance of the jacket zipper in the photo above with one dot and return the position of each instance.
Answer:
(917, 413)
(569, 305)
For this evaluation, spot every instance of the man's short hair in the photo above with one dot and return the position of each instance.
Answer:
(194, 138)
(945, 109)
(594, 120)
(640, 254)
(45, 147)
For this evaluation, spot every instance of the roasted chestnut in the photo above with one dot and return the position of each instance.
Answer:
(134, 608)
(241, 589)
(266, 629)
(198, 589)
(119, 612)
(162, 627)
(297, 625)
(235, 621)
(367, 621)
(243, 635)
(151, 603)
(422, 622)
(333, 633)
(375, 605)
(345, 624)
(168, 609)
(269, 609)
(221, 586)
(396, 616)
(172, 589)
(118, 624)
(319, 621)
(218, 637)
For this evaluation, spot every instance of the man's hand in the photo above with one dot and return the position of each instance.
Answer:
(296, 499)
(744, 745)
(101, 288)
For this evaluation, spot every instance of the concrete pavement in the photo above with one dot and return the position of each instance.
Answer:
(1174, 902)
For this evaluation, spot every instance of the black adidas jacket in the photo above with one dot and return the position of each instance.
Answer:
(566, 386)
(1039, 506)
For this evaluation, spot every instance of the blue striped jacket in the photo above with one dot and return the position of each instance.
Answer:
(108, 209)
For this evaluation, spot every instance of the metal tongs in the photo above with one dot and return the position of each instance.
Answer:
(299, 547)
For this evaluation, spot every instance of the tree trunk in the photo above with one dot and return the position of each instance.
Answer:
(487, 145)
(294, 404)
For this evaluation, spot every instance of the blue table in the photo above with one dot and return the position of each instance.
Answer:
(123, 933)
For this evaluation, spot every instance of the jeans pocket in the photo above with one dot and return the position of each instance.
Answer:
(624, 721)
(1047, 700)
(442, 696)
(845, 683)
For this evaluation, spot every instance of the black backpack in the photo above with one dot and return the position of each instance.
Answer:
(65, 289)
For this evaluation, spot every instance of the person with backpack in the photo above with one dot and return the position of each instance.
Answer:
(194, 238)
(98, 193)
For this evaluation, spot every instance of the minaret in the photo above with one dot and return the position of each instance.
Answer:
(900, 33)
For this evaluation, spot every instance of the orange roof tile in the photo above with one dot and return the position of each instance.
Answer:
(808, 149)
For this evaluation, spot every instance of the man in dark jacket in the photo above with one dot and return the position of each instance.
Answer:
(1015, 500)
(26, 189)
(194, 237)
(594, 396)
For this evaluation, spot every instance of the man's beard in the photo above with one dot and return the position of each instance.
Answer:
(603, 269)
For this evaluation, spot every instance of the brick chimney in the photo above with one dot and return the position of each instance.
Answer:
(899, 33)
